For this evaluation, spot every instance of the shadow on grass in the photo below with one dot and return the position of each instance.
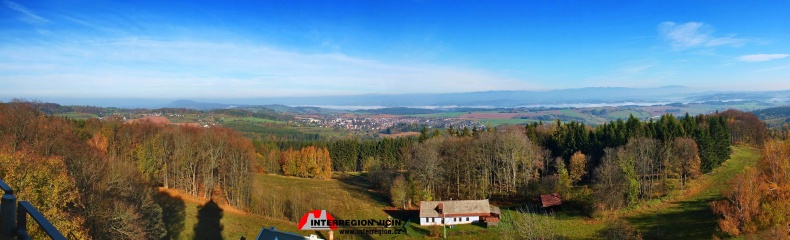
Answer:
(208, 225)
(360, 184)
(404, 215)
(173, 213)
(692, 220)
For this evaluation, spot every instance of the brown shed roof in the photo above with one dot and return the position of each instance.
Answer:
(455, 208)
(549, 200)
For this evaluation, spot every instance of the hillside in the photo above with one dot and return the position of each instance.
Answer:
(775, 116)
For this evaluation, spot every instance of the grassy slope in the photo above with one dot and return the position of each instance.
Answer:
(346, 195)
(181, 218)
(690, 216)
(234, 225)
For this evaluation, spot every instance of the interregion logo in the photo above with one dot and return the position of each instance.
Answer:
(317, 220)
(322, 220)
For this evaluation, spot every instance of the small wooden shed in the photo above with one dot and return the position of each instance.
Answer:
(551, 202)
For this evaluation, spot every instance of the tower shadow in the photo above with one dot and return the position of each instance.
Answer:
(208, 225)
(173, 213)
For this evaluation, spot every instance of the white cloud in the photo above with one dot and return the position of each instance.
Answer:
(172, 69)
(695, 34)
(28, 16)
(762, 57)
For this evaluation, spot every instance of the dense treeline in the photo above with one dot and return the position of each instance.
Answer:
(745, 128)
(710, 132)
(54, 108)
(96, 179)
(346, 154)
(758, 200)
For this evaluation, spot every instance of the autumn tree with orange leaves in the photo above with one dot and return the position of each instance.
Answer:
(758, 200)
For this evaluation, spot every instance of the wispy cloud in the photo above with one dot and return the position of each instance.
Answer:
(138, 68)
(762, 57)
(695, 34)
(27, 15)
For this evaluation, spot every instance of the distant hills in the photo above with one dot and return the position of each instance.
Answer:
(196, 105)
(774, 117)
(492, 98)
(577, 97)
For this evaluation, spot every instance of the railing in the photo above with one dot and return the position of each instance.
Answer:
(13, 219)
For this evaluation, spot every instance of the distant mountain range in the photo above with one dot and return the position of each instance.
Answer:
(578, 97)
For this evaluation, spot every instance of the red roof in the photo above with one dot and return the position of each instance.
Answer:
(549, 200)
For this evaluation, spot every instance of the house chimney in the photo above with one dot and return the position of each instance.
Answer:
(440, 207)
(331, 235)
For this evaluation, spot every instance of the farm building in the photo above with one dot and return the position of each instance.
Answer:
(458, 212)
(551, 202)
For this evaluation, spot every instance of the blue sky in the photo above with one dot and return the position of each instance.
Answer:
(191, 49)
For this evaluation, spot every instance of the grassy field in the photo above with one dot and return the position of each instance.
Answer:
(347, 195)
(690, 216)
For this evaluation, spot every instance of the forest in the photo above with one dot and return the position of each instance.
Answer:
(97, 178)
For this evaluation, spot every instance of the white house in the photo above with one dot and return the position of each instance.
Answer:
(457, 212)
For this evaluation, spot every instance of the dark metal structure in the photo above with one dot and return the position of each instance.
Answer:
(13, 217)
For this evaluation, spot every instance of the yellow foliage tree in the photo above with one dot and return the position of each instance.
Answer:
(578, 166)
(44, 182)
